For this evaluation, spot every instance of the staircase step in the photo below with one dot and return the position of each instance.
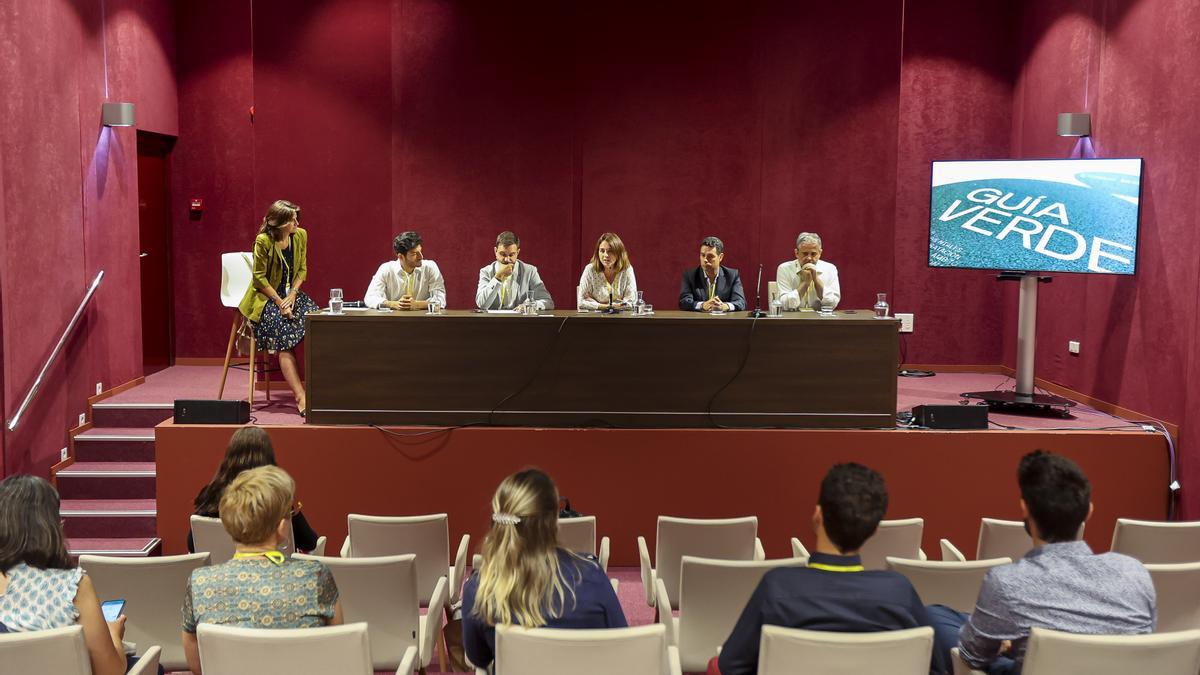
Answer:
(109, 518)
(115, 444)
(107, 480)
(130, 547)
(131, 414)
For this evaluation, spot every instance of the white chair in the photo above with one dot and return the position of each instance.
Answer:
(209, 535)
(799, 652)
(382, 593)
(237, 273)
(712, 595)
(1002, 539)
(798, 549)
(896, 538)
(1054, 653)
(427, 537)
(950, 583)
(1157, 543)
(579, 535)
(332, 650)
(153, 590)
(720, 539)
(61, 651)
(960, 667)
(1178, 590)
(642, 650)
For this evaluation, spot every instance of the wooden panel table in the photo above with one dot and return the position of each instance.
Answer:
(568, 369)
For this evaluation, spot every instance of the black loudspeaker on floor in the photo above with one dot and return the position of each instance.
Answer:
(203, 411)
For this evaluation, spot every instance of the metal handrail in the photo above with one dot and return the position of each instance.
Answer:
(37, 383)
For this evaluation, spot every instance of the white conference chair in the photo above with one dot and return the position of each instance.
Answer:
(712, 595)
(382, 593)
(1177, 588)
(642, 650)
(1156, 542)
(579, 535)
(896, 538)
(1055, 653)
(427, 537)
(61, 651)
(798, 549)
(153, 590)
(793, 651)
(720, 539)
(331, 650)
(209, 535)
(950, 583)
(1002, 539)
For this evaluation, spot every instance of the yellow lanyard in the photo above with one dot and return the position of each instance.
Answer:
(836, 568)
(504, 291)
(287, 271)
(274, 556)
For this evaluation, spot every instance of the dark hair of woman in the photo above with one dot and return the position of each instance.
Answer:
(30, 525)
(249, 448)
(280, 213)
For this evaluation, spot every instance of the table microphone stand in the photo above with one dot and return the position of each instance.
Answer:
(758, 312)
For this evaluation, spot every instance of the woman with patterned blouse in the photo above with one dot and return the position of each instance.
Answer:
(259, 587)
(607, 280)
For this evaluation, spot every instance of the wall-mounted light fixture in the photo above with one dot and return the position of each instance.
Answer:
(117, 115)
(1074, 124)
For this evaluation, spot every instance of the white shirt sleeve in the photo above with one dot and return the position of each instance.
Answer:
(831, 287)
(787, 282)
(437, 285)
(585, 298)
(630, 295)
(377, 289)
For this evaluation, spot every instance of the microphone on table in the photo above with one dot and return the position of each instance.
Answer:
(611, 309)
(758, 312)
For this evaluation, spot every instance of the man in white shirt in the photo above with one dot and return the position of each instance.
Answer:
(808, 282)
(410, 282)
(508, 282)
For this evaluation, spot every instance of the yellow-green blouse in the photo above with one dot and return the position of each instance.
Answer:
(268, 270)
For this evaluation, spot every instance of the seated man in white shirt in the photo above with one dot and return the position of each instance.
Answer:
(507, 283)
(409, 282)
(808, 282)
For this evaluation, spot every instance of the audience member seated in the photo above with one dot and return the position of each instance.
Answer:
(834, 593)
(526, 578)
(40, 587)
(259, 587)
(249, 447)
(1059, 584)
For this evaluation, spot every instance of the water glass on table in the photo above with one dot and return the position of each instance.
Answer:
(335, 301)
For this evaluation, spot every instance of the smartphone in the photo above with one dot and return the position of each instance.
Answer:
(112, 609)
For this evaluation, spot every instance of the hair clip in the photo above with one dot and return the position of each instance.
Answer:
(505, 518)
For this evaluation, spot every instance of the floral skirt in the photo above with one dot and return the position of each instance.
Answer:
(275, 333)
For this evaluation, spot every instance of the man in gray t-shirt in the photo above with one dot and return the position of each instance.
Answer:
(1060, 584)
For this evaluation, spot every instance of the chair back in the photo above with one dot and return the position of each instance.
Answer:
(60, 651)
(209, 536)
(1054, 653)
(233, 650)
(427, 537)
(1157, 543)
(153, 590)
(578, 534)
(547, 651)
(237, 271)
(712, 595)
(1002, 539)
(953, 584)
(1177, 588)
(719, 539)
(802, 652)
(896, 538)
(382, 593)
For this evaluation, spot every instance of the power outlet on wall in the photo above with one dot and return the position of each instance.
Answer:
(1073, 346)
(63, 454)
(906, 322)
(99, 388)
(82, 419)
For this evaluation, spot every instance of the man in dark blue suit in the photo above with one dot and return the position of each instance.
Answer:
(712, 286)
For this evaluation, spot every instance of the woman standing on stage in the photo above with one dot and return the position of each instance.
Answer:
(607, 279)
(274, 302)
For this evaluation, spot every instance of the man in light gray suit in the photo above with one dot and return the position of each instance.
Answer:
(506, 283)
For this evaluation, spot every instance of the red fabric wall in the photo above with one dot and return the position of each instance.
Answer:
(70, 202)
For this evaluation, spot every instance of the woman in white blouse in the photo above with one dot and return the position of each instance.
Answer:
(607, 276)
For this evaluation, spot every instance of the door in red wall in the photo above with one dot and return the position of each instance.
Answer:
(155, 233)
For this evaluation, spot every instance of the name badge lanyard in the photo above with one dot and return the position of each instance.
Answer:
(274, 556)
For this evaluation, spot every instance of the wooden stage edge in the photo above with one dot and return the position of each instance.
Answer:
(626, 477)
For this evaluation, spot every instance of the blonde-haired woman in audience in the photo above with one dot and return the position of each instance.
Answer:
(259, 587)
(526, 578)
(607, 280)
(40, 586)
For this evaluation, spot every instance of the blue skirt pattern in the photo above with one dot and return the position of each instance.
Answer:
(275, 333)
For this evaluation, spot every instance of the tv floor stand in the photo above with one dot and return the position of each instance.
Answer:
(1024, 400)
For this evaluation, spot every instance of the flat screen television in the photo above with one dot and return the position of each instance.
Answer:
(1044, 215)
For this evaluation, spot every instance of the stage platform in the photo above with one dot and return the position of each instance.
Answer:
(628, 476)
